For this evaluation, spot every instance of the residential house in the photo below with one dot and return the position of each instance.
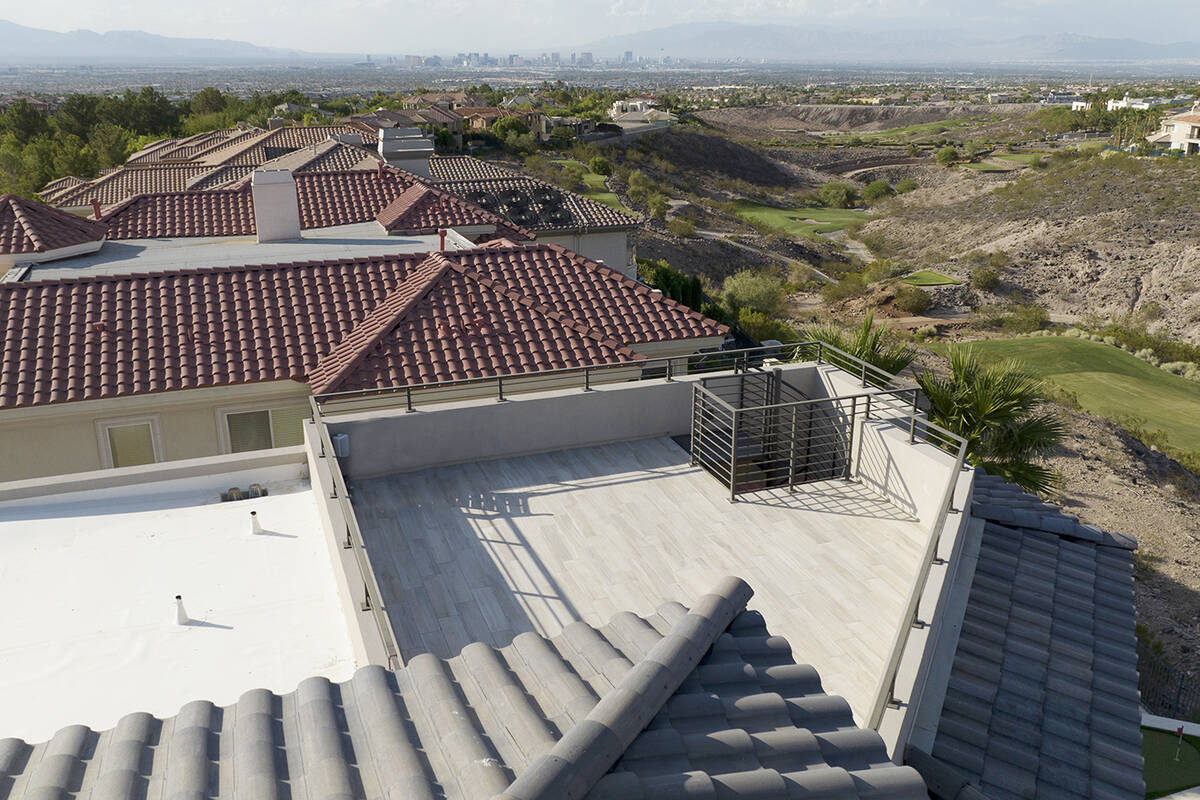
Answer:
(1180, 132)
(450, 100)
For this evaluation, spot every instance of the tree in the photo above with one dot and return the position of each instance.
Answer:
(877, 190)
(601, 166)
(208, 101)
(756, 290)
(947, 156)
(761, 328)
(877, 345)
(504, 126)
(443, 138)
(112, 144)
(657, 206)
(571, 175)
(838, 195)
(995, 408)
(685, 229)
(23, 121)
(77, 115)
(913, 151)
(975, 147)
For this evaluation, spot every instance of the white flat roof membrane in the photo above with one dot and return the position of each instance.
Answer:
(88, 581)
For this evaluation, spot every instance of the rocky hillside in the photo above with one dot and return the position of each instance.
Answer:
(1088, 234)
(772, 121)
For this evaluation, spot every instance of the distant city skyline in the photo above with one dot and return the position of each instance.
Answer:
(387, 27)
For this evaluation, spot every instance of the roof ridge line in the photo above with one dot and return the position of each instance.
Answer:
(376, 328)
(589, 749)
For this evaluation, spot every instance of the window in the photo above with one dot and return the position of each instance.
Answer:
(129, 442)
(259, 430)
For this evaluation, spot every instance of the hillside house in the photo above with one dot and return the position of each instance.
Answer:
(1180, 132)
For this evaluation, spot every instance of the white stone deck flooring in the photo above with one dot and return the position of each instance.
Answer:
(483, 551)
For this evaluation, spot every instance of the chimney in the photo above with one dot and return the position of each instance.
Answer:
(441, 240)
(406, 148)
(96, 207)
(276, 206)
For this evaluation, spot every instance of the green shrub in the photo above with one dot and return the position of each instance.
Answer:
(760, 327)
(682, 228)
(881, 270)
(657, 206)
(755, 290)
(838, 195)
(985, 278)
(947, 156)
(1025, 319)
(905, 185)
(601, 166)
(913, 300)
(851, 285)
(877, 190)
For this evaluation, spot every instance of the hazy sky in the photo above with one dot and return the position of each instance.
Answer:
(502, 26)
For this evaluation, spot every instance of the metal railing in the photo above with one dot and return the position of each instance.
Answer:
(411, 397)
(372, 599)
(1165, 690)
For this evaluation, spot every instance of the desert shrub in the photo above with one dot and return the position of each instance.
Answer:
(601, 166)
(926, 332)
(913, 299)
(682, 227)
(838, 195)
(905, 185)
(657, 205)
(756, 290)
(947, 156)
(1150, 310)
(881, 270)
(877, 190)
(998, 259)
(1025, 318)
(851, 285)
(985, 278)
(1147, 355)
(760, 327)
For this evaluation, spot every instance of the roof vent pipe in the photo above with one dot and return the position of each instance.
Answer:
(181, 617)
(255, 525)
(441, 240)
(96, 207)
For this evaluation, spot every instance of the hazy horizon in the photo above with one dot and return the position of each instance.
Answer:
(381, 26)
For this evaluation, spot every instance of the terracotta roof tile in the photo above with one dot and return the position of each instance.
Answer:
(27, 226)
(226, 212)
(114, 336)
(126, 182)
(540, 206)
(58, 187)
(344, 198)
(424, 209)
(466, 168)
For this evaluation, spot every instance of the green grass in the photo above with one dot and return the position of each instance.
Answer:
(983, 166)
(1021, 158)
(1163, 774)
(794, 221)
(927, 277)
(905, 131)
(596, 189)
(1110, 383)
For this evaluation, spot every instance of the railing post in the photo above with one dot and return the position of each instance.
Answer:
(408, 406)
(587, 379)
(366, 603)
(864, 374)
(733, 444)
(669, 376)
(792, 453)
(850, 436)
(500, 389)
(867, 410)
(912, 419)
(820, 348)
(349, 543)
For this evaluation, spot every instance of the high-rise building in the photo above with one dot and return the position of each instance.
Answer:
(585, 60)
(628, 59)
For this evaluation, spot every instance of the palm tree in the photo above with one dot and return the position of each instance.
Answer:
(994, 407)
(877, 346)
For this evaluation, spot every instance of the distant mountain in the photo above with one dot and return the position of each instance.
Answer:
(821, 44)
(22, 45)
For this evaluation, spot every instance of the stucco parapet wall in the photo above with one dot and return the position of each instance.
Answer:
(211, 466)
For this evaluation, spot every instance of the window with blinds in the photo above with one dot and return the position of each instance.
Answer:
(131, 445)
(259, 430)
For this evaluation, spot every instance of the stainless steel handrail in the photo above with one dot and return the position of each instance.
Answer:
(372, 596)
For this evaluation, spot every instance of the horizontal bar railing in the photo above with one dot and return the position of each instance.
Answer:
(410, 396)
(372, 596)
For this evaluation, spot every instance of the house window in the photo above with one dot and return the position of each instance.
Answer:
(266, 428)
(129, 442)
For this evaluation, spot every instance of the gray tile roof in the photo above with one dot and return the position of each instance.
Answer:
(699, 704)
(1043, 700)
(539, 206)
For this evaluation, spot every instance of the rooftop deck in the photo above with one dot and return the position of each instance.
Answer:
(486, 550)
(92, 578)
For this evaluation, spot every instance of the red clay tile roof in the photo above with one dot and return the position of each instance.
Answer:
(284, 140)
(466, 168)
(115, 336)
(424, 209)
(225, 212)
(125, 182)
(343, 198)
(58, 187)
(27, 226)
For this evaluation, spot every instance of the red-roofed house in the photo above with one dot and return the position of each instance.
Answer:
(122, 370)
(31, 232)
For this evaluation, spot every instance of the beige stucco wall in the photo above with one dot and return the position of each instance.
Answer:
(65, 438)
(614, 248)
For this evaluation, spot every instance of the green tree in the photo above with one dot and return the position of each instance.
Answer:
(877, 190)
(947, 156)
(657, 206)
(601, 166)
(23, 122)
(208, 100)
(77, 115)
(761, 328)
(996, 409)
(838, 195)
(974, 148)
(757, 290)
(443, 138)
(878, 345)
(111, 143)
(913, 151)
(502, 127)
